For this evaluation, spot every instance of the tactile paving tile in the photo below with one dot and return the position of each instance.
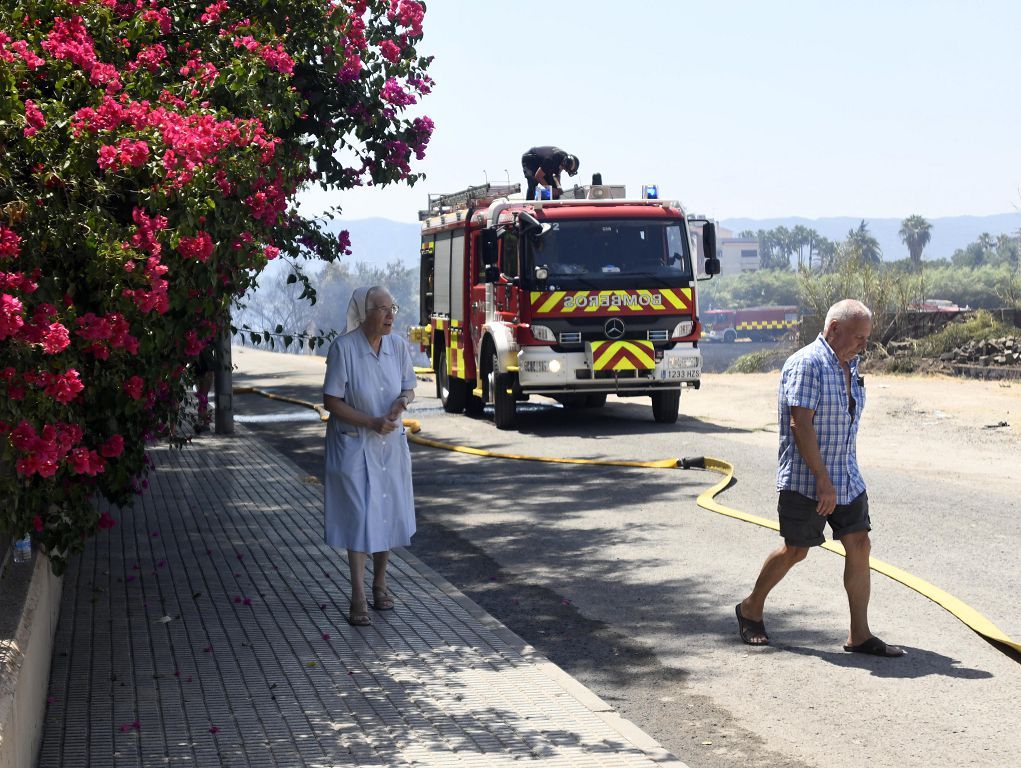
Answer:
(207, 629)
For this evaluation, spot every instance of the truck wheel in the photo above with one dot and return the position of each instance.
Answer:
(453, 391)
(665, 406)
(473, 405)
(729, 336)
(597, 400)
(505, 414)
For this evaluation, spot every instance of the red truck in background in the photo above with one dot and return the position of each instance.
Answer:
(754, 323)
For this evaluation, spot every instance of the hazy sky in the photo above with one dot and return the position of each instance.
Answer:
(740, 109)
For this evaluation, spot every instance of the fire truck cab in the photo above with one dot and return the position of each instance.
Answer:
(574, 299)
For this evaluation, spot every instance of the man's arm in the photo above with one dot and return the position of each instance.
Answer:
(803, 429)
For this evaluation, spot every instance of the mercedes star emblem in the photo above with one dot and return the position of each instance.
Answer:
(614, 328)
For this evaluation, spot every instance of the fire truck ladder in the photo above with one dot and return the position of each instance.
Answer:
(481, 194)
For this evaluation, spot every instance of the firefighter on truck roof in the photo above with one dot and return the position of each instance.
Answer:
(543, 165)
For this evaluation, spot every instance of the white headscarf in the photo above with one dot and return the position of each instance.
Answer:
(356, 313)
(356, 308)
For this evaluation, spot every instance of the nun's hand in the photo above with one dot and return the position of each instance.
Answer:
(382, 425)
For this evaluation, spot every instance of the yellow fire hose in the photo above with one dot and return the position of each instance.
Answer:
(706, 500)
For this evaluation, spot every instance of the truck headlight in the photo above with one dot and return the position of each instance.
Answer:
(683, 329)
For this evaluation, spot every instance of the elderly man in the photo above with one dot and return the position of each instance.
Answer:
(821, 399)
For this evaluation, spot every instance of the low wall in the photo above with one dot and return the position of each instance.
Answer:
(29, 609)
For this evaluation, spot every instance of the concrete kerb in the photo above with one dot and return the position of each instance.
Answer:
(29, 610)
(625, 728)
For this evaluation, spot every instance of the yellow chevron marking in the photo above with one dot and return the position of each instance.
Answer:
(603, 353)
(552, 301)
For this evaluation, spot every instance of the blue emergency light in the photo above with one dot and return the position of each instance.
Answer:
(650, 192)
(545, 193)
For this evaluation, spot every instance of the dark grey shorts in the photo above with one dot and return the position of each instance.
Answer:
(802, 526)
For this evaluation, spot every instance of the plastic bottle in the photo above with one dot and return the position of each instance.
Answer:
(23, 549)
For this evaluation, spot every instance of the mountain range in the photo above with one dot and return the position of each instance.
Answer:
(378, 241)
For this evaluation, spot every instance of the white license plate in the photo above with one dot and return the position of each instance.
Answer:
(674, 373)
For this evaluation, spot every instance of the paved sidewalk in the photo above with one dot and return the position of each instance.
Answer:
(207, 629)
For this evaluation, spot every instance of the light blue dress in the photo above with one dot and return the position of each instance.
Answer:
(370, 506)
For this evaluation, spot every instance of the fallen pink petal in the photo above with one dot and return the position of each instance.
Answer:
(214, 729)
(326, 635)
(248, 601)
(237, 598)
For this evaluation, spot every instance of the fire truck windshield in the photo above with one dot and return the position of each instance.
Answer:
(612, 252)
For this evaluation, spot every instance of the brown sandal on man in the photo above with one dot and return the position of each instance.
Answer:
(358, 615)
(381, 599)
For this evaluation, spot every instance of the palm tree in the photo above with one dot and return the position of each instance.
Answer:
(862, 241)
(801, 237)
(915, 231)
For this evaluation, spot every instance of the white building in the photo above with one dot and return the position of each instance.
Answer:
(737, 254)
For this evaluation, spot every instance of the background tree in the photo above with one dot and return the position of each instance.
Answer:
(865, 247)
(915, 232)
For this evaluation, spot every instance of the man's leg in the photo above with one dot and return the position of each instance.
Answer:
(858, 583)
(777, 564)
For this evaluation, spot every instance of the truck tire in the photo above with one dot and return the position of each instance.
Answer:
(730, 336)
(505, 412)
(665, 406)
(597, 400)
(473, 405)
(452, 391)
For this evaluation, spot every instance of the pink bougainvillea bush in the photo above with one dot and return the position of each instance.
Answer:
(150, 154)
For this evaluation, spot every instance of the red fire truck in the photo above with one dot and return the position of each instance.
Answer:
(755, 323)
(575, 298)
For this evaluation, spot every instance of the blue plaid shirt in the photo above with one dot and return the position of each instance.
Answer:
(813, 378)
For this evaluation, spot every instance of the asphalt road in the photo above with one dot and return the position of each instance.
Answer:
(618, 577)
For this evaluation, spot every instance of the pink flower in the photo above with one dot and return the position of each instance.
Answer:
(213, 12)
(392, 93)
(11, 316)
(193, 345)
(270, 252)
(85, 462)
(56, 339)
(113, 447)
(199, 247)
(277, 58)
(407, 13)
(106, 522)
(64, 387)
(152, 57)
(10, 243)
(37, 524)
(34, 119)
(133, 386)
(390, 50)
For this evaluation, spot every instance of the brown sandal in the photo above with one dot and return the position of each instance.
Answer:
(381, 599)
(358, 615)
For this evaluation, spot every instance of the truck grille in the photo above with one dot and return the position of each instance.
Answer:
(570, 337)
(659, 334)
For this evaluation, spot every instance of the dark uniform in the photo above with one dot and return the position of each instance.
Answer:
(551, 160)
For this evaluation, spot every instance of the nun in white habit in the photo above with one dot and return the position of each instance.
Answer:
(369, 507)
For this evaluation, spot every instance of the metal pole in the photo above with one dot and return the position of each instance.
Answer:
(223, 382)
